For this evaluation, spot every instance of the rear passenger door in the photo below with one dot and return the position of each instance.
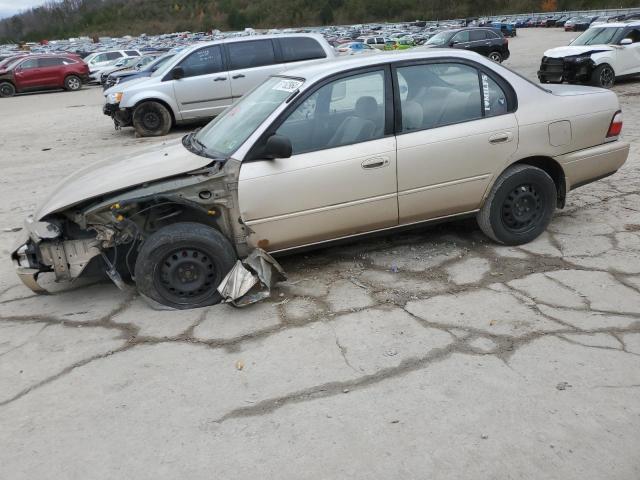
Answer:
(205, 89)
(478, 42)
(294, 50)
(50, 71)
(250, 63)
(456, 130)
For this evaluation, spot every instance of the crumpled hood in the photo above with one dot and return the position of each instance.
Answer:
(120, 173)
(568, 51)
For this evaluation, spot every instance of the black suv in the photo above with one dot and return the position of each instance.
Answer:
(485, 41)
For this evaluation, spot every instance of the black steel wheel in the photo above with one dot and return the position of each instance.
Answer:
(151, 119)
(519, 206)
(181, 265)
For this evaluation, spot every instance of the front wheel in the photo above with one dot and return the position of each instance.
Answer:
(7, 89)
(519, 206)
(603, 76)
(496, 57)
(181, 265)
(72, 83)
(151, 119)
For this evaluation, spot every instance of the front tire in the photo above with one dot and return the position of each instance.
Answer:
(519, 206)
(151, 119)
(7, 89)
(181, 265)
(72, 83)
(495, 57)
(603, 76)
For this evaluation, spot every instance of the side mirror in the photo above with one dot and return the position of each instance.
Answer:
(278, 146)
(177, 73)
(626, 41)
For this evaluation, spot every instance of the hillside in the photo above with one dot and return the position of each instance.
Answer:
(118, 17)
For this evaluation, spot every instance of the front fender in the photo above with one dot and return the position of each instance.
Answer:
(131, 100)
(601, 58)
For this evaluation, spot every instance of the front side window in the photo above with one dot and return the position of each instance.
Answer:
(461, 37)
(346, 111)
(434, 95)
(113, 55)
(250, 54)
(30, 63)
(633, 35)
(203, 62)
(131, 53)
(99, 58)
(440, 39)
(301, 48)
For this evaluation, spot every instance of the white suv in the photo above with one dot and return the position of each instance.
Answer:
(102, 59)
(201, 81)
(604, 52)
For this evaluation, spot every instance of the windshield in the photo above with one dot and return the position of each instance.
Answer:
(441, 38)
(597, 36)
(224, 135)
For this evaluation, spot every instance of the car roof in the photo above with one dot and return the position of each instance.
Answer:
(328, 67)
(635, 23)
(249, 38)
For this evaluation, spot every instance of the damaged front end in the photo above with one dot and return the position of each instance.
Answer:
(571, 69)
(107, 231)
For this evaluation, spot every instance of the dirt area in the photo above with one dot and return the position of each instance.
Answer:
(429, 354)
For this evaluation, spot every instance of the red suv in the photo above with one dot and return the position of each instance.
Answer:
(40, 72)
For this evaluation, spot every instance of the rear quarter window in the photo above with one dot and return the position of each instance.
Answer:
(298, 49)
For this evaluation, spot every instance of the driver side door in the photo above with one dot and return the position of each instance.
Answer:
(341, 177)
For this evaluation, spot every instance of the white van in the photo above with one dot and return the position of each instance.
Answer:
(203, 80)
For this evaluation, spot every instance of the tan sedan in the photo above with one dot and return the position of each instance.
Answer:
(330, 151)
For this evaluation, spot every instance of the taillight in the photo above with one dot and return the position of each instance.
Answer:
(616, 125)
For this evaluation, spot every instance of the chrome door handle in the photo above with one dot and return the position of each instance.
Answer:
(375, 162)
(219, 79)
(500, 138)
(240, 75)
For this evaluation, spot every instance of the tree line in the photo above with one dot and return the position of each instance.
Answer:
(71, 18)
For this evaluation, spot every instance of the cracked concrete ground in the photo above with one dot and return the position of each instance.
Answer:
(429, 354)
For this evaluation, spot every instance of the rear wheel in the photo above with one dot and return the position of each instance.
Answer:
(72, 83)
(496, 57)
(181, 265)
(603, 76)
(519, 206)
(151, 119)
(7, 89)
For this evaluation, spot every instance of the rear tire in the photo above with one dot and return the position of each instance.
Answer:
(603, 76)
(151, 119)
(495, 57)
(181, 265)
(7, 89)
(519, 206)
(72, 83)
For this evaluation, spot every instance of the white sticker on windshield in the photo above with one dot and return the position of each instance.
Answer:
(287, 85)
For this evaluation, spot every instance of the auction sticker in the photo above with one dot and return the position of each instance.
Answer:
(287, 85)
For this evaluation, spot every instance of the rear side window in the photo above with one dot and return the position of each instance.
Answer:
(491, 35)
(493, 97)
(131, 53)
(113, 55)
(249, 54)
(203, 62)
(302, 48)
(50, 62)
(68, 61)
(435, 95)
(476, 35)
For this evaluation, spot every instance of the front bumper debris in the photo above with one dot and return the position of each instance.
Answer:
(121, 117)
(251, 280)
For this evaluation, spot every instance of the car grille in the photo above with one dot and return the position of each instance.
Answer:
(552, 65)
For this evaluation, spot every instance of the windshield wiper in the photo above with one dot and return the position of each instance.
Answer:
(197, 147)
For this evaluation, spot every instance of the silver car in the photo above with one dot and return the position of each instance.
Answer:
(330, 151)
(203, 80)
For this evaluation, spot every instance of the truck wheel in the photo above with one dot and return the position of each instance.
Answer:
(7, 89)
(496, 57)
(181, 265)
(151, 119)
(519, 206)
(72, 83)
(603, 76)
